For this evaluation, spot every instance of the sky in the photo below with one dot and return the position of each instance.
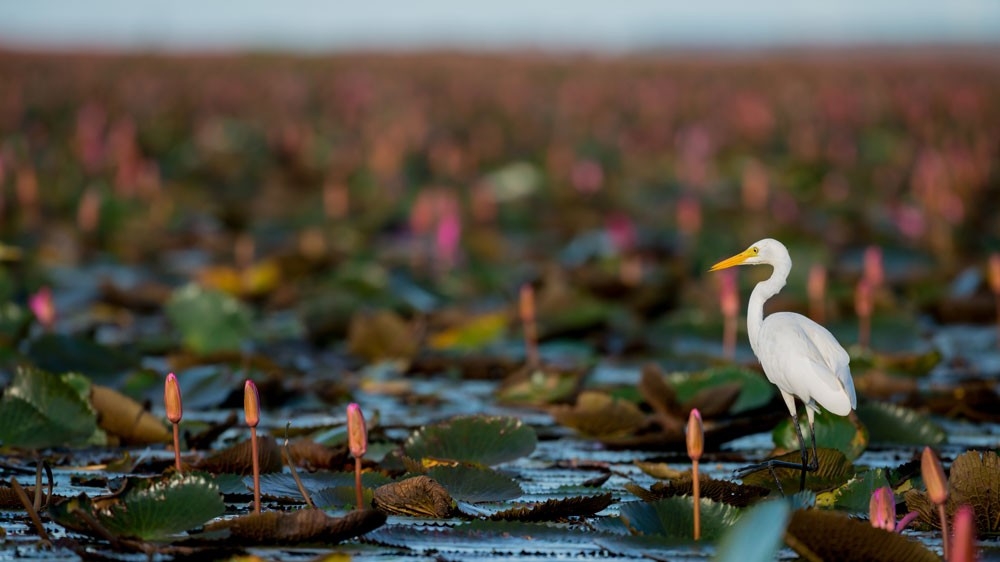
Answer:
(334, 25)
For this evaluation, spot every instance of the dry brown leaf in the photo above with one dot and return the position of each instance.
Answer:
(835, 537)
(238, 459)
(420, 496)
(715, 401)
(295, 527)
(597, 414)
(125, 418)
(662, 398)
(720, 491)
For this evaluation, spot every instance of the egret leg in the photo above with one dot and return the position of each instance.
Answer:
(804, 449)
(814, 463)
(806, 465)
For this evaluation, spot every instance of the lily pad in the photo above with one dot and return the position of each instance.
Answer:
(722, 491)
(890, 423)
(834, 470)
(475, 484)
(755, 390)
(40, 410)
(674, 517)
(832, 432)
(597, 414)
(758, 534)
(60, 353)
(208, 320)
(485, 440)
(164, 508)
(855, 495)
(473, 334)
(297, 527)
(381, 335)
(828, 535)
(556, 509)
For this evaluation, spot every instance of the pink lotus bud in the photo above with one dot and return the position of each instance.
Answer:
(526, 303)
(934, 479)
(172, 399)
(449, 232)
(729, 298)
(43, 307)
(964, 546)
(695, 435)
(874, 272)
(357, 433)
(88, 211)
(587, 176)
(994, 273)
(622, 232)
(817, 282)
(689, 215)
(251, 403)
(863, 301)
(882, 509)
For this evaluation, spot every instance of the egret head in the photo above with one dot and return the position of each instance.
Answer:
(767, 251)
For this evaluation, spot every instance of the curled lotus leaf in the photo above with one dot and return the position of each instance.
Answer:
(484, 440)
(597, 414)
(419, 496)
(556, 509)
(974, 480)
(830, 535)
(722, 491)
(296, 527)
(834, 470)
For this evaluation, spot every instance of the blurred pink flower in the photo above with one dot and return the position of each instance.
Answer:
(447, 237)
(587, 176)
(622, 232)
(874, 271)
(43, 307)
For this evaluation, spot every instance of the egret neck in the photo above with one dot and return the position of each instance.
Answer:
(763, 291)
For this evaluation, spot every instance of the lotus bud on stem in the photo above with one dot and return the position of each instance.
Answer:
(175, 409)
(817, 293)
(43, 307)
(695, 447)
(357, 441)
(863, 307)
(526, 302)
(994, 278)
(874, 271)
(937, 489)
(251, 410)
(964, 547)
(729, 302)
(882, 509)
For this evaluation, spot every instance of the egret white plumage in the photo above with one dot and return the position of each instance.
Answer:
(799, 356)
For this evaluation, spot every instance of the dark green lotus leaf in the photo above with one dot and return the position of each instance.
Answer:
(758, 534)
(475, 484)
(485, 440)
(891, 424)
(41, 410)
(164, 508)
(834, 470)
(208, 320)
(829, 535)
(342, 497)
(556, 509)
(673, 517)
(60, 353)
(297, 527)
(723, 491)
(517, 539)
(832, 432)
(855, 495)
(755, 390)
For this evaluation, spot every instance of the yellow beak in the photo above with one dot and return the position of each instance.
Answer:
(738, 259)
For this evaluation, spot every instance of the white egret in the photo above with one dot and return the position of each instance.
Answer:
(799, 356)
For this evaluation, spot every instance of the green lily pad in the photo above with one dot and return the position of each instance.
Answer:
(758, 534)
(208, 320)
(165, 508)
(755, 390)
(14, 322)
(41, 410)
(674, 517)
(475, 484)
(855, 495)
(889, 423)
(832, 432)
(556, 509)
(60, 353)
(484, 440)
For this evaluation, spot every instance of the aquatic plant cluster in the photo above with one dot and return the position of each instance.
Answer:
(463, 298)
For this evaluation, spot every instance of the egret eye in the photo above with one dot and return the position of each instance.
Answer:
(755, 250)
